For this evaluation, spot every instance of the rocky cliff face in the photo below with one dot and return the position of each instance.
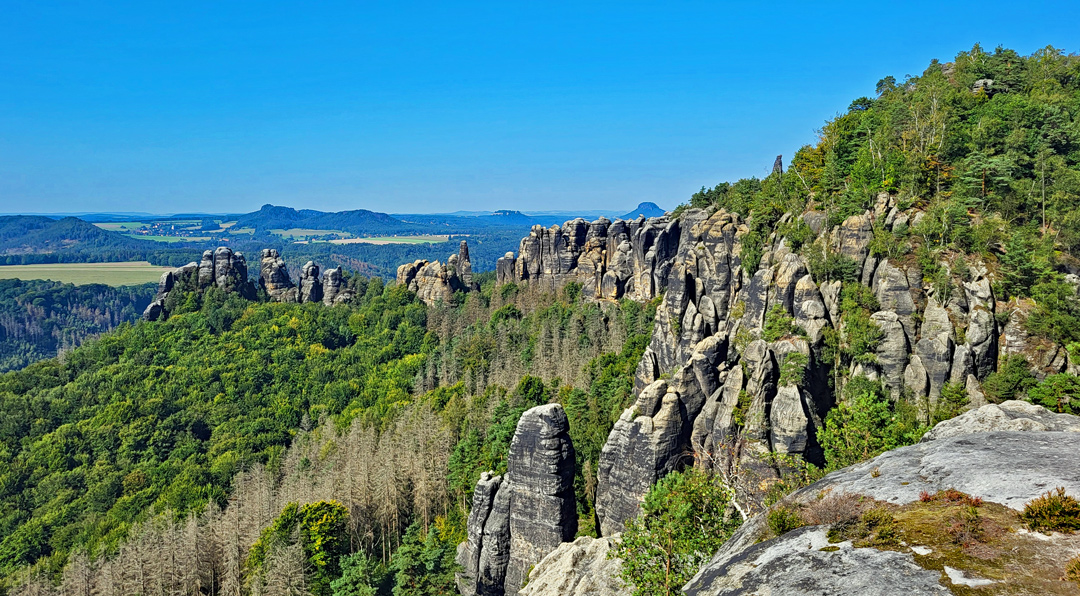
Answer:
(713, 387)
(609, 259)
(434, 282)
(228, 271)
(515, 521)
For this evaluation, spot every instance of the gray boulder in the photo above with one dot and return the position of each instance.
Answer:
(1010, 415)
(578, 568)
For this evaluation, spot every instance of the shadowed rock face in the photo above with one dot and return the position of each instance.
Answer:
(517, 520)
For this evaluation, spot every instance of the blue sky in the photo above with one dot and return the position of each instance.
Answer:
(431, 107)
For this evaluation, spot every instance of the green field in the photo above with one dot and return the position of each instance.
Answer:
(113, 274)
(171, 238)
(427, 238)
(306, 232)
(120, 226)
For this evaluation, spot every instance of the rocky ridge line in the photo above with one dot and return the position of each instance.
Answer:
(710, 389)
(228, 271)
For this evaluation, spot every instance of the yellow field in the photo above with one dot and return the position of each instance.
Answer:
(114, 274)
(395, 239)
(120, 226)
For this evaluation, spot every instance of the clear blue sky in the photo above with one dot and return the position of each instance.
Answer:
(395, 106)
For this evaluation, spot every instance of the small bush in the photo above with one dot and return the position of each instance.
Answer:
(1053, 512)
(951, 495)
(778, 324)
(835, 508)
(1012, 379)
(1072, 570)
(793, 371)
(954, 399)
(1059, 393)
(876, 527)
(966, 528)
(784, 519)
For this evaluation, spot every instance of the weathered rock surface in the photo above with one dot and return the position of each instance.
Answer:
(434, 282)
(1008, 416)
(578, 568)
(311, 289)
(227, 270)
(796, 564)
(274, 277)
(519, 519)
(222, 268)
(1009, 467)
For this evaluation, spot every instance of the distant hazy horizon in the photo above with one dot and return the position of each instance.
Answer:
(435, 108)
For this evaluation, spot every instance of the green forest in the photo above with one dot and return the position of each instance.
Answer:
(249, 447)
(40, 318)
(988, 145)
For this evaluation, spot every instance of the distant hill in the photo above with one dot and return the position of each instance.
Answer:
(34, 234)
(359, 221)
(646, 209)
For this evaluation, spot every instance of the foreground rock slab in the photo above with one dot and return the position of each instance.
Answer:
(803, 562)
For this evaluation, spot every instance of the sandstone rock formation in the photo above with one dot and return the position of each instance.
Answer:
(227, 270)
(221, 268)
(713, 389)
(1009, 415)
(578, 568)
(274, 278)
(610, 259)
(311, 289)
(334, 289)
(434, 282)
(517, 520)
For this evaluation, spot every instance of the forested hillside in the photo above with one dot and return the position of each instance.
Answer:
(155, 421)
(40, 318)
(244, 447)
(987, 146)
